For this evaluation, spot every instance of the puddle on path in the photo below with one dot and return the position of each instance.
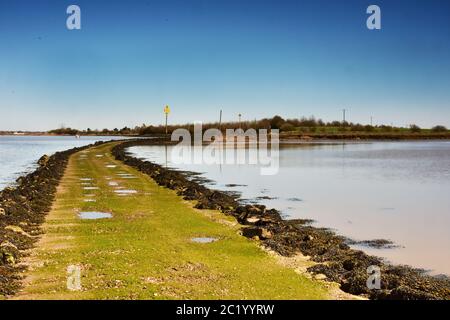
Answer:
(111, 166)
(89, 195)
(204, 240)
(99, 155)
(126, 175)
(125, 192)
(90, 200)
(86, 179)
(113, 184)
(90, 188)
(92, 215)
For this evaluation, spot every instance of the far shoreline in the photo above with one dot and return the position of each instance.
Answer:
(285, 137)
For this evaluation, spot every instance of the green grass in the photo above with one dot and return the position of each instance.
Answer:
(145, 251)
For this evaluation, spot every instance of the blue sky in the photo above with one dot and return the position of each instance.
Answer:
(258, 58)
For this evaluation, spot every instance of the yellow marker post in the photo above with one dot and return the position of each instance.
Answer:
(166, 111)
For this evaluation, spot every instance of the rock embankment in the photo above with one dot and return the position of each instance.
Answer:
(335, 259)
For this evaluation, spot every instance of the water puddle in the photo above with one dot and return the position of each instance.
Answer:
(86, 179)
(126, 175)
(90, 200)
(99, 155)
(113, 184)
(89, 195)
(92, 215)
(90, 188)
(111, 166)
(204, 240)
(125, 192)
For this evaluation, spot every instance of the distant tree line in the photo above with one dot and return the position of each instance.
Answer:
(305, 125)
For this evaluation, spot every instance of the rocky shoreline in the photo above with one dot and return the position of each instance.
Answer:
(22, 210)
(332, 253)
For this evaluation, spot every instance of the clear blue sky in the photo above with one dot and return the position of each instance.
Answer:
(254, 57)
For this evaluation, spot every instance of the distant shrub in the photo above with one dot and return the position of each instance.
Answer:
(65, 131)
(386, 128)
(287, 127)
(334, 124)
(357, 128)
(439, 129)
(276, 122)
(369, 128)
(414, 128)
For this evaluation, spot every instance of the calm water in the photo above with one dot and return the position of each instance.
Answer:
(392, 190)
(18, 154)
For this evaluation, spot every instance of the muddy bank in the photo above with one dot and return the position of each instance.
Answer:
(335, 259)
(22, 210)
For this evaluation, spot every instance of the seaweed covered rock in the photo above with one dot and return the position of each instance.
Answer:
(43, 160)
(261, 233)
(8, 253)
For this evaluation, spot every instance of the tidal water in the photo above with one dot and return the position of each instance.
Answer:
(18, 154)
(398, 191)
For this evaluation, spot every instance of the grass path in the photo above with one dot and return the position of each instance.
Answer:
(145, 250)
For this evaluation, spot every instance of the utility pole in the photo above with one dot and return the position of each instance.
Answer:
(220, 120)
(240, 115)
(343, 116)
(371, 121)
